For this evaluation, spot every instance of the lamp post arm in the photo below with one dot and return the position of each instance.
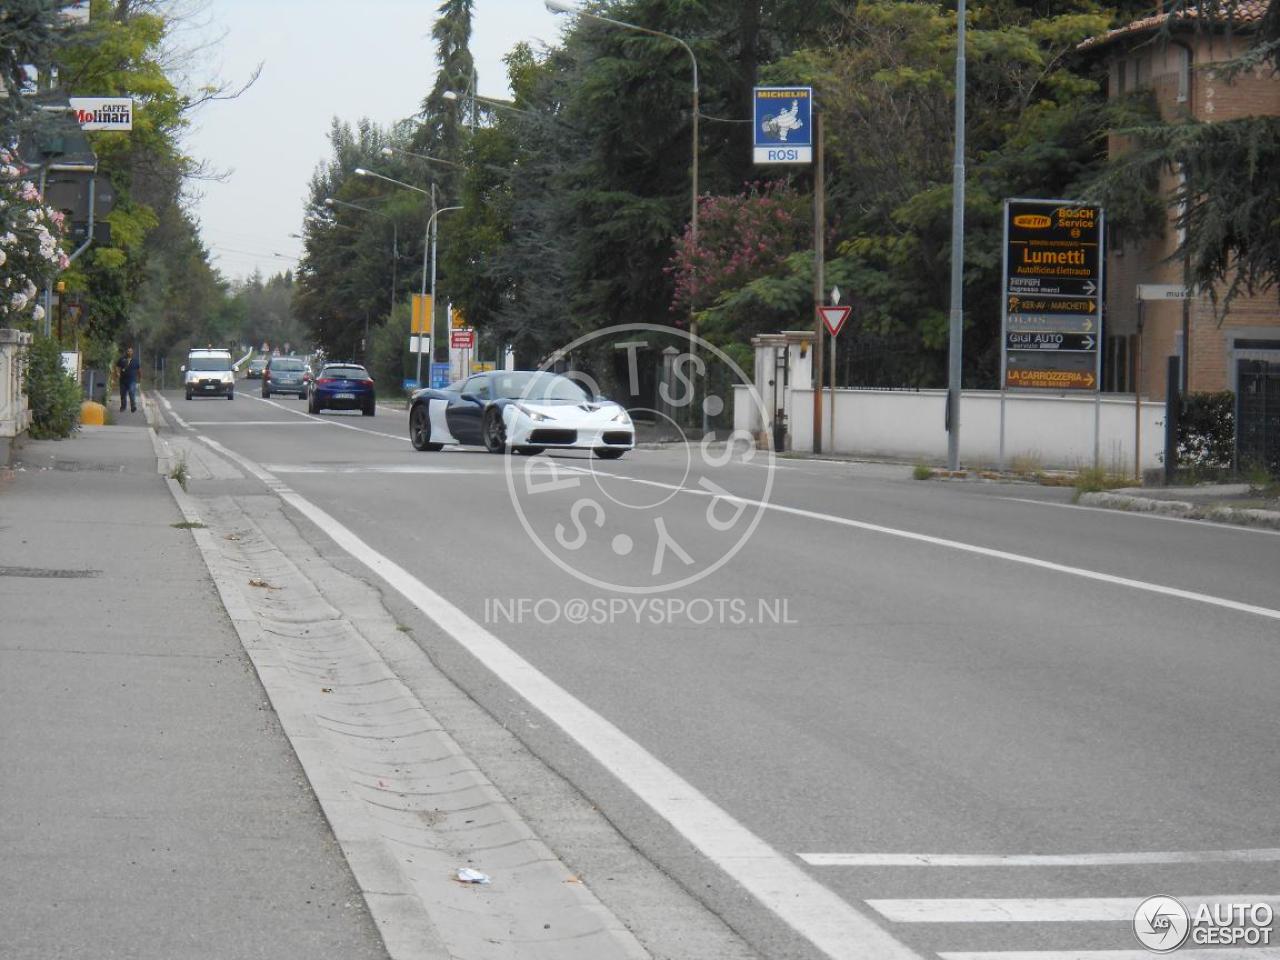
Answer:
(693, 60)
(362, 172)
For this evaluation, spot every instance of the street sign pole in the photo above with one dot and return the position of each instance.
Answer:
(1004, 329)
(819, 256)
(1137, 400)
(1097, 389)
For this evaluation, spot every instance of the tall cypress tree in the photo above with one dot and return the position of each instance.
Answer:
(441, 132)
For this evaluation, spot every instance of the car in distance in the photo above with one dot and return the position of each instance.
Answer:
(525, 411)
(342, 386)
(208, 373)
(255, 368)
(286, 375)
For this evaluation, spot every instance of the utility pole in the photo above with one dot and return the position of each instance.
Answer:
(956, 339)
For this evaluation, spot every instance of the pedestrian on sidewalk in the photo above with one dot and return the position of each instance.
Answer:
(130, 369)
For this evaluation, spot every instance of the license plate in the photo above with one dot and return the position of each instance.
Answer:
(344, 396)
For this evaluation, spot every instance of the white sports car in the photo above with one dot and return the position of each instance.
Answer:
(521, 411)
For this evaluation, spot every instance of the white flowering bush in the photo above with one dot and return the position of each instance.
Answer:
(30, 244)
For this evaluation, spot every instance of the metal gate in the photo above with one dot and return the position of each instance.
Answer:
(1258, 415)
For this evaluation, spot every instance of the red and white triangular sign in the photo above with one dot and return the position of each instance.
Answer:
(834, 317)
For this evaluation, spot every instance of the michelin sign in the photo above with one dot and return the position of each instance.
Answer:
(783, 125)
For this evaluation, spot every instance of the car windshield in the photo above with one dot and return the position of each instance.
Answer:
(257, 364)
(287, 364)
(208, 363)
(345, 373)
(538, 387)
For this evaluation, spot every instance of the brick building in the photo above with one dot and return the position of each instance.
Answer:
(1177, 67)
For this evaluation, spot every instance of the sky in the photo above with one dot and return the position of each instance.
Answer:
(319, 61)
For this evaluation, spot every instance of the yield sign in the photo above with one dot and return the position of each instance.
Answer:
(834, 317)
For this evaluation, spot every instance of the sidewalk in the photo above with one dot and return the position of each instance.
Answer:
(152, 805)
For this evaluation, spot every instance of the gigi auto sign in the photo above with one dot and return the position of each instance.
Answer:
(1052, 295)
(103, 113)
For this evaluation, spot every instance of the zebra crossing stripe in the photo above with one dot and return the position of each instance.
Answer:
(1266, 855)
(1236, 953)
(1047, 910)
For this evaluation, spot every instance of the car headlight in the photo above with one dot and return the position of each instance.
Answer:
(533, 415)
(622, 417)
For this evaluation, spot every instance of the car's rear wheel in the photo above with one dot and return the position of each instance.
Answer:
(608, 453)
(494, 431)
(369, 409)
(420, 429)
(231, 394)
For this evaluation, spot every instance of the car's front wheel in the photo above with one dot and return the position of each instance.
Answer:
(420, 429)
(608, 453)
(188, 394)
(494, 431)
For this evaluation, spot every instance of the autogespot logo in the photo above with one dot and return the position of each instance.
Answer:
(1161, 924)
(694, 505)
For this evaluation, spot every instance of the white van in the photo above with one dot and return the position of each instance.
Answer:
(208, 373)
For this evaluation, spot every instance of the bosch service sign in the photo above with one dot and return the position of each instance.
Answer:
(783, 125)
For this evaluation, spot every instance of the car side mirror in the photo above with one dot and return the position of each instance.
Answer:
(183, 368)
(601, 398)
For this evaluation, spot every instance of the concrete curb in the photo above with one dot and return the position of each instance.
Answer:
(1183, 509)
(406, 805)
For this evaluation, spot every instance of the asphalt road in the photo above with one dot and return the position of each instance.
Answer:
(965, 720)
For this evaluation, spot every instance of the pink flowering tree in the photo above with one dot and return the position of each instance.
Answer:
(742, 240)
(30, 244)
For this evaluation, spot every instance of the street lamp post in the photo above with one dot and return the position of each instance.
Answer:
(426, 242)
(561, 6)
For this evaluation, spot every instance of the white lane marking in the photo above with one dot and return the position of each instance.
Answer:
(1042, 910)
(256, 423)
(174, 413)
(331, 421)
(1144, 515)
(1236, 953)
(1144, 585)
(372, 468)
(828, 922)
(1036, 860)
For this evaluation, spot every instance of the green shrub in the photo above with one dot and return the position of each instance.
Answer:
(389, 356)
(922, 471)
(1207, 430)
(54, 395)
(1097, 479)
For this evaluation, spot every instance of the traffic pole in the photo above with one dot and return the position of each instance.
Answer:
(819, 255)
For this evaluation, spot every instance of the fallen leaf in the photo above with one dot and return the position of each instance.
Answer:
(326, 689)
(259, 582)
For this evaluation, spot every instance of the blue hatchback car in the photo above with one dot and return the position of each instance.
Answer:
(342, 386)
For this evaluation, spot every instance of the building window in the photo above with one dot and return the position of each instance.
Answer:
(1184, 73)
(1120, 77)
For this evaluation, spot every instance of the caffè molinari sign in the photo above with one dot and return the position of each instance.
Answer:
(103, 113)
